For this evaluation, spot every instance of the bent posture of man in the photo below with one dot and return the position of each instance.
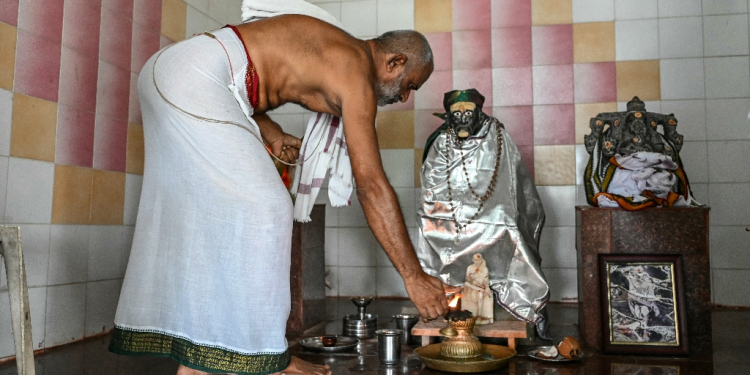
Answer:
(208, 278)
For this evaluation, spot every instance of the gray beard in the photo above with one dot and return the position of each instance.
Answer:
(388, 92)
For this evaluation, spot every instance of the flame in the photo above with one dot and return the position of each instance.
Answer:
(454, 302)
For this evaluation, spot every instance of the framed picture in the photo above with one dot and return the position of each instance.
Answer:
(643, 310)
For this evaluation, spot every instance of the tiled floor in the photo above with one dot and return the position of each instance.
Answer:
(730, 354)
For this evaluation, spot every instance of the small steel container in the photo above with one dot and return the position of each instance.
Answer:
(389, 346)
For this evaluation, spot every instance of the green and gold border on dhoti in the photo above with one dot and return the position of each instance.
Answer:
(200, 357)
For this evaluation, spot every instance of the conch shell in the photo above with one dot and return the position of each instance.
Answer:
(569, 348)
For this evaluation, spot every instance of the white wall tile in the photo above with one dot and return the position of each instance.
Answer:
(580, 196)
(37, 300)
(395, 15)
(225, 11)
(682, 79)
(360, 17)
(29, 195)
(357, 281)
(559, 205)
(332, 215)
(680, 8)
(680, 37)
(700, 193)
(68, 254)
(727, 119)
(730, 203)
(725, 35)
(593, 10)
(582, 159)
(35, 245)
(198, 22)
(357, 247)
(133, 184)
(691, 117)
(6, 112)
(127, 243)
(724, 6)
(558, 247)
(105, 252)
(333, 8)
(635, 9)
(728, 161)
(38, 310)
(651, 106)
(408, 208)
(399, 167)
(727, 77)
(332, 280)
(352, 216)
(4, 160)
(7, 347)
(293, 124)
(332, 247)
(66, 312)
(637, 40)
(390, 283)
(695, 161)
(287, 109)
(727, 291)
(101, 304)
(730, 247)
(201, 5)
(563, 284)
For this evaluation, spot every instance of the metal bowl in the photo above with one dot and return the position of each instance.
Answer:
(315, 344)
(493, 357)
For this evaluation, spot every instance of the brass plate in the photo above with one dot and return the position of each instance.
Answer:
(493, 357)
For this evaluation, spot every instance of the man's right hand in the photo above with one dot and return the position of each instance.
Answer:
(428, 294)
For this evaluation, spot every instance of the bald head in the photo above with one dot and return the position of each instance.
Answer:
(409, 42)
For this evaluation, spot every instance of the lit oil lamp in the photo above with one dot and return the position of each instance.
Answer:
(460, 341)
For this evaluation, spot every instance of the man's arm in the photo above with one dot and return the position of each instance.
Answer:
(283, 145)
(380, 203)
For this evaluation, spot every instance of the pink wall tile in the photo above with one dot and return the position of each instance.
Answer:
(398, 106)
(81, 31)
(145, 44)
(425, 123)
(164, 41)
(554, 124)
(75, 137)
(527, 154)
(472, 49)
(553, 84)
(134, 108)
(113, 91)
(471, 14)
(442, 49)
(430, 95)
(512, 86)
(519, 122)
(509, 13)
(595, 82)
(552, 44)
(110, 143)
(511, 46)
(115, 39)
(9, 12)
(37, 66)
(148, 14)
(123, 7)
(78, 79)
(480, 79)
(45, 20)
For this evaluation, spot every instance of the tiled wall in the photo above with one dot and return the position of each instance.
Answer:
(546, 67)
(71, 147)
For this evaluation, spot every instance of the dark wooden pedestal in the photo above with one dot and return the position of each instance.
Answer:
(308, 273)
(681, 231)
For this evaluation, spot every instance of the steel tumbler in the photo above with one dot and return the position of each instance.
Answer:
(389, 345)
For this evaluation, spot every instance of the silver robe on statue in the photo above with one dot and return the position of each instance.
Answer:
(506, 231)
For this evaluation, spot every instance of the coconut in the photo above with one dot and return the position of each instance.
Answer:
(549, 353)
(569, 348)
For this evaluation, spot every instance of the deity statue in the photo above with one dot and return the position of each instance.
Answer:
(632, 165)
(477, 296)
(479, 204)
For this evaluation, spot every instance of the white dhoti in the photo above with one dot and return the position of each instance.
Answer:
(208, 278)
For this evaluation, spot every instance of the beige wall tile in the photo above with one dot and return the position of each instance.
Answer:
(638, 78)
(555, 165)
(396, 129)
(594, 42)
(173, 19)
(134, 161)
(71, 197)
(107, 198)
(551, 12)
(418, 167)
(8, 35)
(34, 128)
(433, 16)
(584, 113)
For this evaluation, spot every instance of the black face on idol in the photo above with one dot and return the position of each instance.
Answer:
(465, 120)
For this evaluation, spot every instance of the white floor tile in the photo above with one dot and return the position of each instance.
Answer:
(558, 247)
(680, 37)
(68, 255)
(133, 184)
(29, 194)
(695, 161)
(680, 8)
(563, 284)
(691, 117)
(635, 9)
(357, 281)
(728, 162)
(395, 15)
(101, 305)
(727, 77)
(6, 112)
(559, 205)
(105, 252)
(730, 203)
(357, 247)
(682, 79)
(637, 40)
(730, 247)
(593, 10)
(390, 283)
(727, 119)
(66, 313)
(725, 35)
